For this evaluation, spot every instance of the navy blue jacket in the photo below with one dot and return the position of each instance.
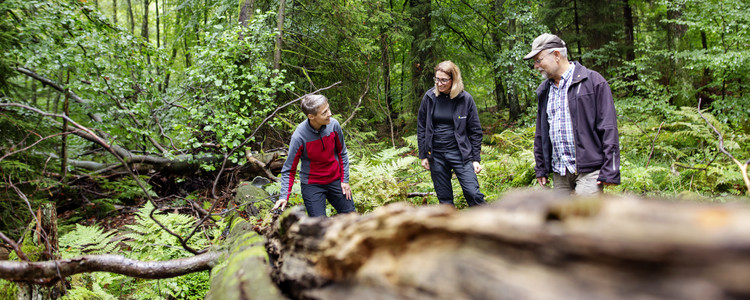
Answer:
(592, 111)
(467, 129)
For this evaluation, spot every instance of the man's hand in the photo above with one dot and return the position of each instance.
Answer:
(347, 190)
(477, 167)
(542, 181)
(604, 183)
(281, 203)
(425, 164)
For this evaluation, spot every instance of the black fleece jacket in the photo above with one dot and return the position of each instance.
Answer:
(468, 130)
(592, 111)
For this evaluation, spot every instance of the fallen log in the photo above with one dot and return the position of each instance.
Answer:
(529, 245)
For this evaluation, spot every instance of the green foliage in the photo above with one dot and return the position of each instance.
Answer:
(8, 289)
(145, 241)
(232, 87)
(376, 180)
(87, 240)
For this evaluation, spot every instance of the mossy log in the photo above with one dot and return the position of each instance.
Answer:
(244, 272)
(529, 245)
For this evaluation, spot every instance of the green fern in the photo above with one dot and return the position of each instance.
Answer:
(82, 293)
(146, 236)
(87, 240)
(374, 179)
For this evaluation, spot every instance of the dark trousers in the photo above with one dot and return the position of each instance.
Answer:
(315, 195)
(441, 165)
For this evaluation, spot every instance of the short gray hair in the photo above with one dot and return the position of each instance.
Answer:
(311, 103)
(563, 51)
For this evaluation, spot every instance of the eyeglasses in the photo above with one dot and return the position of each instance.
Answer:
(442, 80)
(539, 61)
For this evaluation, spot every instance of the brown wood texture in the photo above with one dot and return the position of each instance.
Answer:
(529, 245)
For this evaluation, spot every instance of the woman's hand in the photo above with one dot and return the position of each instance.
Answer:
(347, 190)
(425, 164)
(280, 204)
(477, 167)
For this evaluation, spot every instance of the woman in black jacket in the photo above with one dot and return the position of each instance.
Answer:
(450, 136)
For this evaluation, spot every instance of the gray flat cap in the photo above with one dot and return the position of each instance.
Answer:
(543, 42)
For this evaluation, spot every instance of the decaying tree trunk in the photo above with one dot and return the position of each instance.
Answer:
(244, 272)
(529, 245)
(46, 237)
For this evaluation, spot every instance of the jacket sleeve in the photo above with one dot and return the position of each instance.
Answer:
(474, 129)
(421, 123)
(540, 170)
(343, 153)
(606, 127)
(289, 170)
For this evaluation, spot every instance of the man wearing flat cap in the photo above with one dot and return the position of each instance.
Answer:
(576, 136)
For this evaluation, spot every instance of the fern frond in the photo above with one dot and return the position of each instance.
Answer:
(87, 240)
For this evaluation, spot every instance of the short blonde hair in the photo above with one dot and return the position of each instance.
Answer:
(448, 67)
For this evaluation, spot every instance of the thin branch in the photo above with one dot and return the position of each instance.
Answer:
(46, 273)
(60, 89)
(35, 143)
(653, 144)
(354, 111)
(15, 247)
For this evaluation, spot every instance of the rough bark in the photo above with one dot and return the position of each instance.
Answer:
(526, 246)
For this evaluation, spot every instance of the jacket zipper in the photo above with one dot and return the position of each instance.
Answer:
(575, 144)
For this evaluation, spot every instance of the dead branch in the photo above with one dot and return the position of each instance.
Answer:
(743, 167)
(47, 272)
(653, 143)
(15, 247)
(354, 111)
(35, 143)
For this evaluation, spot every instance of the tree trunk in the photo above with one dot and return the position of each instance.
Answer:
(46, 236)
(578, 30)
(246, 275)
(144, 24)
(158, 33)
(114, 12)
(279, 37)
(247, 9)
(529, 245)
(629, 41)
(514, 109)
(131, 18)
(500, 96)
(629, 31)
(64, 143)
(422, 53)
(386, 66)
